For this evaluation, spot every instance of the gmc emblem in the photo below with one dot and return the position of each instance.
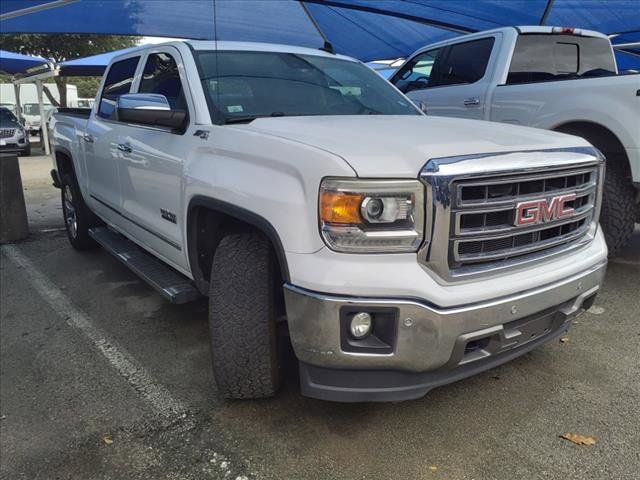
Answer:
(542, 211)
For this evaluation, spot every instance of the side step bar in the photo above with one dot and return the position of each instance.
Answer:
(172, 285)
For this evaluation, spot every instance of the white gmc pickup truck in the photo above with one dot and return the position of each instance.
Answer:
(313, 203)
(561, 79)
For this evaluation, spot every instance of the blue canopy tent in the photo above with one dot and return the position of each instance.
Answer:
(366, 29)
(88, 66)
(13, 63)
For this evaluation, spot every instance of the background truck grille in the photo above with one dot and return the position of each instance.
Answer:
(483, 215)
(7, 132)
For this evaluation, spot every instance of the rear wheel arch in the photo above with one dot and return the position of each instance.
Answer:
(602, 138)
(209, 220)
(64, 162)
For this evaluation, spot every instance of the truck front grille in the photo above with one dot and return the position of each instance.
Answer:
(7, 132)
(484, 223)
(495, 211)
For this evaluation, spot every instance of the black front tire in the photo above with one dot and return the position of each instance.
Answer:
(618, 214)
(78, 219)
(242, 318)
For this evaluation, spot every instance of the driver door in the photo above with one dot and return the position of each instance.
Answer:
(413, 78)
(458, 81)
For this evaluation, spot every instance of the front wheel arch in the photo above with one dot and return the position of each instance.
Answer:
(208, 221)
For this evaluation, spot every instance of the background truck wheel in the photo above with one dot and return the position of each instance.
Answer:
(26, 152)
(242, 317)
(78, 219)
(618, 213)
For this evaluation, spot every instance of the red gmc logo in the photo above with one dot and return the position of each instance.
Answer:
(541, 211)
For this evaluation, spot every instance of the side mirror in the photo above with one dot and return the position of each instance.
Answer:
(149, 109)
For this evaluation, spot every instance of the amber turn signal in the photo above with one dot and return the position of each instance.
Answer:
(340, 207)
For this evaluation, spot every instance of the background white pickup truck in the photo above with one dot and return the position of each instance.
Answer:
(311, 201)
(546, 77)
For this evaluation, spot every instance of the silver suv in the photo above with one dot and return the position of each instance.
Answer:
(13, 136)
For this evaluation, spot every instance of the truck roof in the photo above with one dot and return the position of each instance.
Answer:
(239, 46)
(521, 30)
(551, 30)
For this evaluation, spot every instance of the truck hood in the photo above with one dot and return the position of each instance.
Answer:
(399, 146)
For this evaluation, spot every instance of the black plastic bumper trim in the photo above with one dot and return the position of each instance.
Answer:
(339, 385)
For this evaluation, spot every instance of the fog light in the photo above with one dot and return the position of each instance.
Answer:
(360, 325)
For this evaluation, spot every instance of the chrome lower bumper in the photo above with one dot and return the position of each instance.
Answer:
(419, 338)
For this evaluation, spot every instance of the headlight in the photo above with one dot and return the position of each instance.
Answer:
(372, 216)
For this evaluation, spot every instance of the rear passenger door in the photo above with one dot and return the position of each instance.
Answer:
(151, 168)
(459, 80)
(100, 141)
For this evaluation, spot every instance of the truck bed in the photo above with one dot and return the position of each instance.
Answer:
(75, 112)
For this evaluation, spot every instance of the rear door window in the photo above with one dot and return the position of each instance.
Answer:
(118, 82)
(463, 63)
(546, 58)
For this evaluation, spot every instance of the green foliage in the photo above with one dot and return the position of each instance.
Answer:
(87, 86)
(65, 47)
(61, 47)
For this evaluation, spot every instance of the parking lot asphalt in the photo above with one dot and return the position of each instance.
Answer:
(100, 378)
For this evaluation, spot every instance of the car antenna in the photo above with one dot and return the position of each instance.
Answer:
(327, 47)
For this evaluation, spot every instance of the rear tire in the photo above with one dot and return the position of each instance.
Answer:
(242, 318)
(78, 219)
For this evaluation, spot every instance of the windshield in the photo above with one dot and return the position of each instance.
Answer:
(243, 85)
(34, 109)
(7, 118)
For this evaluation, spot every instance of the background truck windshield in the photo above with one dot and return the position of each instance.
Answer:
(34, 108)
(7, 118)
(241, 86)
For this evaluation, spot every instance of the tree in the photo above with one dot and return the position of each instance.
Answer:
(59, 48)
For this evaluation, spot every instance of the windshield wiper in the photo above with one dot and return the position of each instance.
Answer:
(245, 119)
(251, 118)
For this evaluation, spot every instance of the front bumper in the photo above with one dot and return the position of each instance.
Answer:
(422, 346)
(13, 146)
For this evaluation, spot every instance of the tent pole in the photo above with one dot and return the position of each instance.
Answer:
(327, 44)
(35, 9)
(545, 14)
(16, 91)
(44, 134)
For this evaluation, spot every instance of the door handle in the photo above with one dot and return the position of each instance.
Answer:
(124, 147)
(87, 138)
(471, 102)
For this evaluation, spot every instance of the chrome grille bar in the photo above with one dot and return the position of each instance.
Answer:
(500, 219)
(506, 240)
(474, 205)
(7, 132)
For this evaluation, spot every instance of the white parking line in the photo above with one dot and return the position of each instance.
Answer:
(156, 395)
